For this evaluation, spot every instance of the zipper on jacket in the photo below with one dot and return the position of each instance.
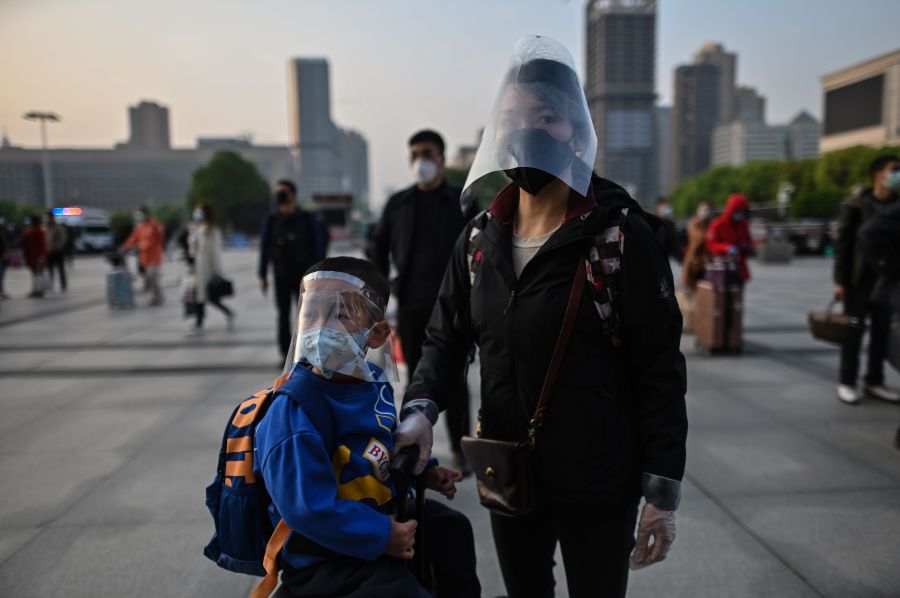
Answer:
(512, 300)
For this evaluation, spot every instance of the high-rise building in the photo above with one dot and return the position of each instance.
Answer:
(726, 62)
(749, 105)
(312, 131)
(803, 134)
(621, 91)
(862, 104)
(328, 160)
(739, 142)
(354, 153)
(149, 124)
(664, 148)
(694, 117)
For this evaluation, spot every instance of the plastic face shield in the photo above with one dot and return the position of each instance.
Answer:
(341, 330)
(540, 119)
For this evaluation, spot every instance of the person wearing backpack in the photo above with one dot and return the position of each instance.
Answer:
(614, 426)
(292, 240)
(322, 451)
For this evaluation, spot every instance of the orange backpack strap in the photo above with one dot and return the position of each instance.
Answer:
(270, 563)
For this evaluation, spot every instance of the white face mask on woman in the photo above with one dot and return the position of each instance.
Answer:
(424, 171)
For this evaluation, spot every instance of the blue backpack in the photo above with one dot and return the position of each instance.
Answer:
(244, 540)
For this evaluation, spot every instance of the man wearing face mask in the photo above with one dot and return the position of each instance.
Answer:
(415, 234)
(148, 237)
(855, 282)
(292, 240)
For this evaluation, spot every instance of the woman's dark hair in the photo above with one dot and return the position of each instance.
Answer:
(545, 77)
(363, 270)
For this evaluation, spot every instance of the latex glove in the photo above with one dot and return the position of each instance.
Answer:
(658, 524)
(415, 428)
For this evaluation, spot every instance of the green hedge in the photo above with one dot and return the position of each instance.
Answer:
(820, 184)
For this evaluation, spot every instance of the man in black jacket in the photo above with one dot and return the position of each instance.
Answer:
(416, 233)
(855, 281)
(289, 240)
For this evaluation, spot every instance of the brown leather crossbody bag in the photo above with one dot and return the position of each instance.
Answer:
(503, 470)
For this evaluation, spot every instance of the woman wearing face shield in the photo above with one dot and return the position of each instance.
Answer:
(615, 426)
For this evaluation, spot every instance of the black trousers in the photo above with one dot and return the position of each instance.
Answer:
(411, 324)
(595, 542)
(449, 550)
(857, 303)
(56, 260)
(200, 310)
(287, 294)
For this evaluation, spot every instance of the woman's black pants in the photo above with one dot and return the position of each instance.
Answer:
(200, 312)
(595, 543)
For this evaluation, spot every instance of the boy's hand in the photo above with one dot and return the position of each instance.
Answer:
(443, 480)
(403, 537)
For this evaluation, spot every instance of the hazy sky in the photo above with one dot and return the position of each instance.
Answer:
(396, 65)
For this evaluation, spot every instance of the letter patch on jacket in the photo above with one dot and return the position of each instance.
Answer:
(380, 458)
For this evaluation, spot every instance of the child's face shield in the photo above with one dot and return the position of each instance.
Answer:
(540, 120)
(341, 329)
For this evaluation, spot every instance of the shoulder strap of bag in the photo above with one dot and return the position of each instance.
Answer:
(556, 360)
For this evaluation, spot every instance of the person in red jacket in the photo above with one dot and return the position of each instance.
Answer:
(34, 248)
(729, 234)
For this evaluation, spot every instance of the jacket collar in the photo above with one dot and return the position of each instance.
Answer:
(503, 208)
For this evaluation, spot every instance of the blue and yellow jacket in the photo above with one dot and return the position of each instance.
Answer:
(323, 450)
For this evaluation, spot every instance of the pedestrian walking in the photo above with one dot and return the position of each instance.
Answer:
(562, 275)
(5, 248)
(292, 240)
(205, 248)
(696, 255)
(57, 241)
(34, 248)
(666, 233)
(416, 233)
(855, 281)
(728, 235)
(148, 238)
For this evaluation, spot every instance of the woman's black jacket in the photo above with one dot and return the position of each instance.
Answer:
(615, 412)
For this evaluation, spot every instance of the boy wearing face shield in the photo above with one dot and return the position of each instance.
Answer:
(614, 426)
(415, 235)
(323, 450)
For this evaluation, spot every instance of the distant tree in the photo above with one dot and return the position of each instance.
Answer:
(234, 187)
(487, 188)
(172, 216)
(121, 223)
(15, 212)
(820, 184)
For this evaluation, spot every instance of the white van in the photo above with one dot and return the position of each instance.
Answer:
(88, 226)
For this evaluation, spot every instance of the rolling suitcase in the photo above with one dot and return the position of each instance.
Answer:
(119, 289)
(718, 317)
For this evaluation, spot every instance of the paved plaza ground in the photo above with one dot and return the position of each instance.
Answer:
(111, 423)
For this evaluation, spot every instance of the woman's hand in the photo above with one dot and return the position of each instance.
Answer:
(661, 526)
(403, 538)
(443, 480)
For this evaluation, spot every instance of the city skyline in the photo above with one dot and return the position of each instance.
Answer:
(420, 66)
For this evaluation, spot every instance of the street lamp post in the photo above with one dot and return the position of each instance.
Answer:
(43, 117)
